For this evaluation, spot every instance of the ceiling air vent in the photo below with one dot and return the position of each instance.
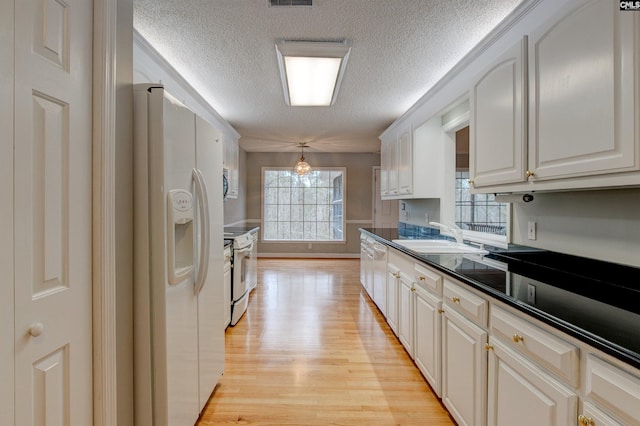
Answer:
(290, 3)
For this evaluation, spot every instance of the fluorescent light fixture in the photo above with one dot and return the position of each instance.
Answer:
(311, 71)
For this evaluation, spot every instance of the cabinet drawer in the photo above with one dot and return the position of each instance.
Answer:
(467, 303)
(613, 388)
(592, 415)
(560, 357)
(428, 279)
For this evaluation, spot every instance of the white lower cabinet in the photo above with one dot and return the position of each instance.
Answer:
(379, 282)
(427, 331)
(494, 365)
(520, 393)
(405, 312)
(393, 282)
(593, 416)
(464, 369)
(612, 388)
(367, 264)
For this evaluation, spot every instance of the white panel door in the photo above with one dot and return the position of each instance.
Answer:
(53, 155)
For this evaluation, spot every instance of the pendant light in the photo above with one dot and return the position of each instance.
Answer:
(302, 167)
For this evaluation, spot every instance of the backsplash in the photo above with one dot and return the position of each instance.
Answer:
(408, 230)
(602, 225)
(419, 211)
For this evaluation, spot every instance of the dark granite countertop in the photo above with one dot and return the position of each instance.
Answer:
(594, 301)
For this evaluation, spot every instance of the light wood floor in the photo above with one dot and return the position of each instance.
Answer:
(313, 350)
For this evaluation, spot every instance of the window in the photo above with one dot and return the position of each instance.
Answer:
(478, 212)
(475, 212)
(307, 208)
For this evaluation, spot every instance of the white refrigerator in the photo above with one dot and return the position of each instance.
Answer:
(178, 260)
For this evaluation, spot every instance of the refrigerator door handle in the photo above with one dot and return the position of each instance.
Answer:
(203, 212)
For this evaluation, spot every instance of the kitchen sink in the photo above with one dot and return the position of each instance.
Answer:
(439, 246)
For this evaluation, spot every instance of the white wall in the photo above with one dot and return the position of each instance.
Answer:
(358, 192)
(602, 225)
(418, 209)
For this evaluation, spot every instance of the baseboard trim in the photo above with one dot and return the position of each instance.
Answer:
(311, 255)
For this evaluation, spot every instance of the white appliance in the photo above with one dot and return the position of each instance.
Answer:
(178, 281)
(245, 268)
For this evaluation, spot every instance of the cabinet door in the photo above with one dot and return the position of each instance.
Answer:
(464, 369)
(405, 163)
(392, 167)
(498, 125)
(384, 168)
(393, 277)
(363, 259)
(405, 313)
(522, 394)
(233, 170)
(427, 331)
(368, 277)
(581, 72)
(380, 277)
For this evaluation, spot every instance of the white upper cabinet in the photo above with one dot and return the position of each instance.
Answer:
(405, 163)
(412, 161)
(582, 93)
(392, 167)
(230, 164)
(583, 87)
(384, 167)
(498, 120)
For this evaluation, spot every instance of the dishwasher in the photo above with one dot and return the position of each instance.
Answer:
(380, 276)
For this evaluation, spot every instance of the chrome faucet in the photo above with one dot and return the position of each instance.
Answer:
(456, 231)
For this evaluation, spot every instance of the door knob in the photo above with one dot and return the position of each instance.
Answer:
(36, 329)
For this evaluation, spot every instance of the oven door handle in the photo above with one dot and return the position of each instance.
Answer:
(203, 212)
(243, 250)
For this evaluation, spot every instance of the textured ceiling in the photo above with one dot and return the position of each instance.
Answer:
(400, 49)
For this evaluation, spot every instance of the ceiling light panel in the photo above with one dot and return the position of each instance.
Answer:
(311, 72)
(311, 81)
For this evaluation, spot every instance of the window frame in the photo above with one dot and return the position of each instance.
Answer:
(342, 170)
(456, 118)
